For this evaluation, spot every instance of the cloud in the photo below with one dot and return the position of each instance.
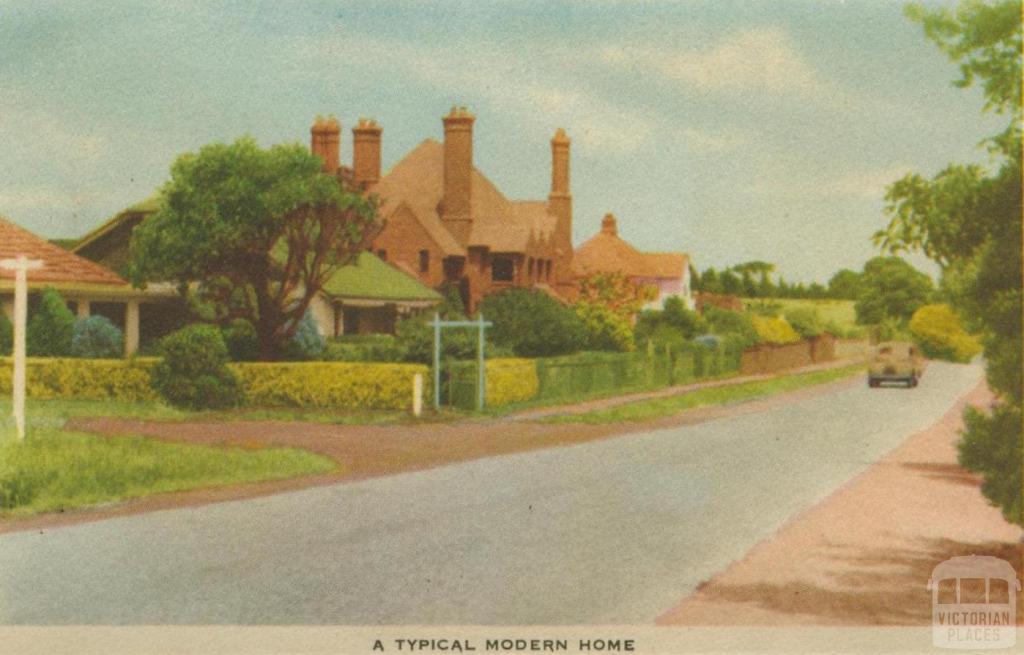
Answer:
(752, 60)
(869, 183)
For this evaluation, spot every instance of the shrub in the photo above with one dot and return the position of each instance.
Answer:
(330, 384)
(724, 322)
(991, 445)
(6, 335)
(937, 330)
(241, 340)
(805, 321)
(774, 330)
(51, 327)
(307, 343)
(127, 380)
(532, 324)
(193, 372)
(605, 328)
(674, 324)
(95, 337)
(508, 380)
(364, 348)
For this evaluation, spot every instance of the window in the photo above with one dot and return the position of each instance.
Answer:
(529, 268)
(547, 269)
(424, 261)
(383, 254)
(502, 269)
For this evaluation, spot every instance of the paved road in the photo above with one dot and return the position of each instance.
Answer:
(615, 531)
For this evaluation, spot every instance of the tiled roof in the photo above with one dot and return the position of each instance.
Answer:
(606, 252)
(417, 181)
(59, 265)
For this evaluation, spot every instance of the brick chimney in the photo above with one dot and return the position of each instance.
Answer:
(366, 152)
(325, 142)
(608, 225)
(560, 199)
(456, 212)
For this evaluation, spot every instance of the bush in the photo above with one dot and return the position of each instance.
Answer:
(532, 324)
(364, 348)
(805, 321)
(241, 340)
(774, 330)
(307, 343)
(51, 327)
(605, 328)
(724, 322)
(193, 372)
(507, 381)
(937, 330)
(991, 446)
(6, 335)
(95, 337)
(674, 324)
(330, 384)
(126, 380)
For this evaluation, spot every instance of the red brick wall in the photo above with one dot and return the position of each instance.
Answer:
(770, 358)
(402, 239)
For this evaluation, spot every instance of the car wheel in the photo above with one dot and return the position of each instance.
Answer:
(872, 383)
(912, 381)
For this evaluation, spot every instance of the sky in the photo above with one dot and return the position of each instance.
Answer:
(728, 130)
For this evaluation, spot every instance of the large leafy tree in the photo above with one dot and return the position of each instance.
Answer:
(968, 219)
(890, 289)
(256, 231)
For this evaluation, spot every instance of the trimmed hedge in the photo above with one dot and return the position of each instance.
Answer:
(509, 380)
(939, 333)
(329, 384)
(91, 379)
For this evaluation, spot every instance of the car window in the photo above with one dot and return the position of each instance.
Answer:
(885, 351)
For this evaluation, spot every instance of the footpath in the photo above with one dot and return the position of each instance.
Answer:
(864, 555)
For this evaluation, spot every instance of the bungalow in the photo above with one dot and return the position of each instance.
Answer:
(365, 297)
(607, 252)
(88, 287)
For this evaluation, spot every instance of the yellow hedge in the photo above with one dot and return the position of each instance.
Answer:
(354, 385)
(92, 379)
(511, 381)
(938, 331)
(774, 330)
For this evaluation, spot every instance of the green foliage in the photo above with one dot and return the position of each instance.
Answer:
(262, 230)
(724, 322)
(991, 446)
(845, 285)
(533, 324)
(891, 288)
(770, 308)
(193, 371)
(774, 330)
(51, 327)
(241, 340)
(937, 330)
(674, 324)
(96, 337)
(364, 348)
(805, 321)
(6, 335)
(306, 343)
(606, 329)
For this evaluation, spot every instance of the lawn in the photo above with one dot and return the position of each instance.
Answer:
(55, 470)
(643, 410)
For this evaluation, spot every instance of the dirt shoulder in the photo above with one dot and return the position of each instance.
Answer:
(864, 555)
(366, 451)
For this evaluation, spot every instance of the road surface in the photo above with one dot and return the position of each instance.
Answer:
(611, 532)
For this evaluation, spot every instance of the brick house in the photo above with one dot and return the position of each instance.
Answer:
(607, 252)
(445, 222)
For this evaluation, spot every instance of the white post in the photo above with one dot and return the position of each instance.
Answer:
(131, 327)
(417, 394)
(21, 266)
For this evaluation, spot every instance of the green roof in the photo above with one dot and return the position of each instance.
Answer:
(369, 277)
(150, 205)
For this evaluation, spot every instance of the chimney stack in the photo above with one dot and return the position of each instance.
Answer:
(608, 225)
(456, 212)
(366, 152)
(325, 142)
(560, 200)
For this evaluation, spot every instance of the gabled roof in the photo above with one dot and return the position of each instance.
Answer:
(148, 206)
(369, 277)
(417, 181)
(59, 265)
(606, 252)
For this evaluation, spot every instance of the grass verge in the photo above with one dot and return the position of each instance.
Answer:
(643, 410)
(54, 470)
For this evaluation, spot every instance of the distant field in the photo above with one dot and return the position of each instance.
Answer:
(838, 311)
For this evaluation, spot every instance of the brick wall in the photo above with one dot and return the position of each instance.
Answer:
(771, 358)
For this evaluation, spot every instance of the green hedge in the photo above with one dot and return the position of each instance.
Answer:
(91, 379)
(509, 380)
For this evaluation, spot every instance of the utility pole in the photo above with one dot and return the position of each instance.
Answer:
(21, 266)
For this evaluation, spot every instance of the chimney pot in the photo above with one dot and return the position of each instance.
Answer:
(366, 152)
(325, 142)
(609, 225)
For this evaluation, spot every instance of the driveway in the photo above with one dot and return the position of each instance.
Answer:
(610, 531)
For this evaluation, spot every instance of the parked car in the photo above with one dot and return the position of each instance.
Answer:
(895, 361)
